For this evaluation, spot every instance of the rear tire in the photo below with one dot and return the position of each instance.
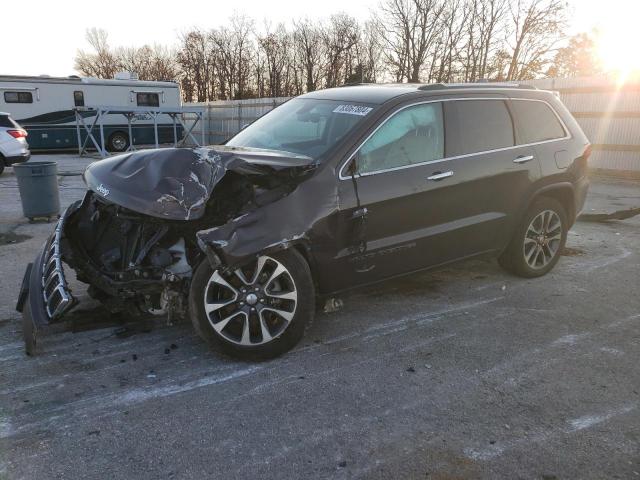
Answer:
(538, 240)
(257, 312)
(118, 142)
(1, 163)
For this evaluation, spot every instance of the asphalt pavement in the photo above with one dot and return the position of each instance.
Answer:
(461, 373)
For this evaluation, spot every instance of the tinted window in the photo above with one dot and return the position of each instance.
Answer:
(148, 99)
(477, 126)
(78, 98)
(18, 97)
(536, 121)
(413, 135)
(303, 125)
(7, 121)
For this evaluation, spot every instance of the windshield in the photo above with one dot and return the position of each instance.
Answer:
(305, 126)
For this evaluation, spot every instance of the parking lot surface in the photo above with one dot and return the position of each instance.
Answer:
(459, 373)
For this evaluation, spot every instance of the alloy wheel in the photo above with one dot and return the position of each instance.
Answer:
(254, 304)
(542, 239)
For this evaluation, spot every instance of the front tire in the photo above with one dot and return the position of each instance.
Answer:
(257, 312)
(538, 241)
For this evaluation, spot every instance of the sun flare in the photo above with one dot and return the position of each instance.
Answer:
(617, 44)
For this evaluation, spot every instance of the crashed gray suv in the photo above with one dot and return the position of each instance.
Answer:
(331, 190)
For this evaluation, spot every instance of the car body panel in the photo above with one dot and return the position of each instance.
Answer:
(354, 229)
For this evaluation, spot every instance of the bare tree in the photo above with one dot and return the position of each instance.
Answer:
(234, 55)
(150, 63)
(339, 37)
(275, 47)
(196, 58)
(310, 52)
(454, 20)
(102, 63)
(485, 25)
(537, 25)
(406, 40)
(409, 29)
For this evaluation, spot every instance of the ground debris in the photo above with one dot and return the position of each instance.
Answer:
(333, 305)
(11, 238)
(605, 217)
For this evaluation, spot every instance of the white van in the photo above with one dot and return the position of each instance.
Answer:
(44, 107)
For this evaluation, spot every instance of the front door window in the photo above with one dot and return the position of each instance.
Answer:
(412, 136)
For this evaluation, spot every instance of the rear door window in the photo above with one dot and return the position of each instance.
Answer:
(475, 126)
(411, 136)
(536, 121)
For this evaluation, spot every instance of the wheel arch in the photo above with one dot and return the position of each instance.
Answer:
(563, 192)
(304, 249)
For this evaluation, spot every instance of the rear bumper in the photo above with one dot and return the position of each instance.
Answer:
(17, 159)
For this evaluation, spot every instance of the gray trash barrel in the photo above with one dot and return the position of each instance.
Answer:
(38, 185)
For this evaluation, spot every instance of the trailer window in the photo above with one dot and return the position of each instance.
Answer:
(18, 97)
(78, 98)
(148, 99)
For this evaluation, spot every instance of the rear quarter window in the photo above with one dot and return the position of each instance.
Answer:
(5, 121)
(8, 122)
(536, 121)
(474, 126)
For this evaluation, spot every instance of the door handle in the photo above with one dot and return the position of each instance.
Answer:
(523, 159)
(440, 175)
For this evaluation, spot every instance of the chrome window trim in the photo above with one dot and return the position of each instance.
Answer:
(341, 175)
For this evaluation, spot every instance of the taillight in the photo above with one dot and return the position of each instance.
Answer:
(17, 133)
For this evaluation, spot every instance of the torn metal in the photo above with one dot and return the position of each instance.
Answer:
(150, 218)
(177, 183)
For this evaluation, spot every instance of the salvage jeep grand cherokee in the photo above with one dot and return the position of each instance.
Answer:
(331, 190)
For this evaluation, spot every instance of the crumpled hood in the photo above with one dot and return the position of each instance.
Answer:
(175, 183)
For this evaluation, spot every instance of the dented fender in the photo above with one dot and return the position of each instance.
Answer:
(299, 218)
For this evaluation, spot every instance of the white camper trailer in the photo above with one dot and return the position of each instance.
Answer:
(44, 107)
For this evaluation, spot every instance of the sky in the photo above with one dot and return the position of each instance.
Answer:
(48, 37)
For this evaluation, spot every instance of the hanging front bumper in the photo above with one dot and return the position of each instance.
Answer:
(44, 286)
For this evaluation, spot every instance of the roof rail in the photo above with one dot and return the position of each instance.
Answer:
(447, 86)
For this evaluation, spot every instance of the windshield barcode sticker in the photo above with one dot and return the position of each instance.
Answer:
(352, 110)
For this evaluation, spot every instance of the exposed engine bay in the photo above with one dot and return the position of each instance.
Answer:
(134, 237)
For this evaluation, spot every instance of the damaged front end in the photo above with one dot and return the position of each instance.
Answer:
(134, 237)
